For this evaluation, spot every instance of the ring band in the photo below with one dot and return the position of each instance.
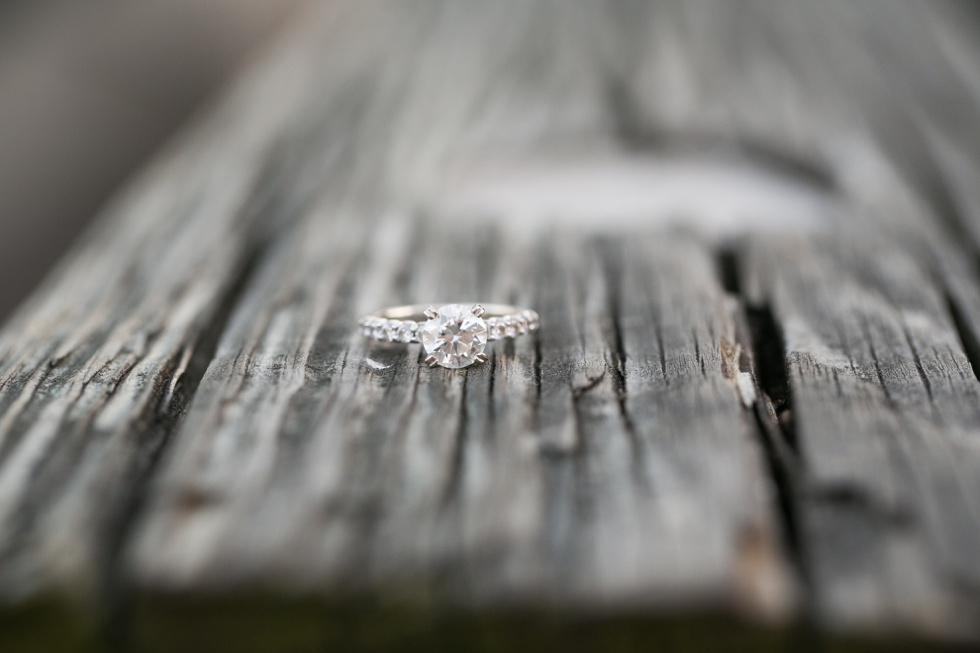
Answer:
(454, 335)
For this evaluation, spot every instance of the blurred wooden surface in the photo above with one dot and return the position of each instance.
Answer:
(750, 417)
(89, 92)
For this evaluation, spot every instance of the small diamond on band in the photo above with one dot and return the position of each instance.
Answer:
(453, 335)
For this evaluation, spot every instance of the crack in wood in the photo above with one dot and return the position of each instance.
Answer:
(761, 351)
(770, 367)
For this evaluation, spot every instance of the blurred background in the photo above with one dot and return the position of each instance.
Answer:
(88, 91)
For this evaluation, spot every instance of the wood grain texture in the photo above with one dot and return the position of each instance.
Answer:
(752, 403)
(395, 475)
(884, 416)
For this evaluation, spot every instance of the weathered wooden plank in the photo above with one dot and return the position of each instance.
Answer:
(622, 462)
(527, 480)
(884, 404)
(100, 365)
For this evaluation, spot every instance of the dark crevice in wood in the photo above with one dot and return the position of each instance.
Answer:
(771, 416)
(613, 276)
(491, 393)
(968, 339)
(771, 367)
(619, 368)
(783, 466)
(660, 348)
(157, 434)
(727, 261)
(784, 470)
(610, 261)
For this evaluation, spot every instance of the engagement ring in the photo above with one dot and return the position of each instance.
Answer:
(453, 335)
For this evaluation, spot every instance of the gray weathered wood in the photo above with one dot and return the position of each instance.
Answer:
(884, 413)
(753, 395)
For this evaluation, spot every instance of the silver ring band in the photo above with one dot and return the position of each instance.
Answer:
(400, 323)
(454, 335)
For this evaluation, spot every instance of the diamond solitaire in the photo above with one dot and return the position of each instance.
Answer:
(454, 335)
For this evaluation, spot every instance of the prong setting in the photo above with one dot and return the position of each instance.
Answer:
(481, 358)
(455, 336)
(431, 313)
(431, 361)
(478, 310)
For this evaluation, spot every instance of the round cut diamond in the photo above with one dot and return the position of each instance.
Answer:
(455, 336)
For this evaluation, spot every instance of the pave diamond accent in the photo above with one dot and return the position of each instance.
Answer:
(455, 336)
(408, 331)
(496, 327)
